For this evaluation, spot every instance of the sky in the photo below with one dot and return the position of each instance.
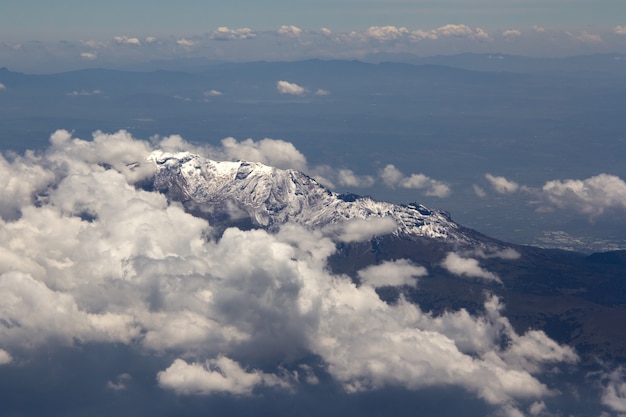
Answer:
(281, 29)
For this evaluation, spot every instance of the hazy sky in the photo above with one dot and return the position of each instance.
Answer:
(73, 19)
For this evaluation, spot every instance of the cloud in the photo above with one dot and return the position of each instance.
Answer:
(220, 375)
(120, 383)
(90, 255)
(462, 31)
(2, 87)
(468, 267)
(186, 43)
(285, 87)
(479, 191)
(289, 30)
(83, 93)
(360, 230)
(89, 55)
(5, 357)
(619, 30)
(392, 273)
(501, 184)
(592, 196)
(212, 93)
(614, 391)
(225, 34)
(393, 177)
(511, 34)
(386, 33)
(322, 92)
(586, 37)
(126, 40)
(273, 152)
(326, 31)
(348, 178)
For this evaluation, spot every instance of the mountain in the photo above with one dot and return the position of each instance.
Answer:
(577, 299)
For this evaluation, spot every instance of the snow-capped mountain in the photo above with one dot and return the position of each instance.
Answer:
(270, 197)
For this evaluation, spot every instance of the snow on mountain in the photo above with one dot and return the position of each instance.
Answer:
(271, 197)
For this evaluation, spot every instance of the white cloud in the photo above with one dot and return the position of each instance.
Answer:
(87, 256)
(5, 357)
(592, 196)
(619, 30)
(501, 184)
(360, 230)
(88, 55)
(322, 92)
(83, 93)
(348, 178)
(586, 37)
(511, 34)
(386, 33)
(273, 152)
(468, 267)
(120, 383)
(285, 87)
(150, 39)
(2, 87)
(479, 191)
(393, 177)
(392, 273)
(289, 30)
(126, 40)
(462, 31)
(326, 31)
(220, 375)
(225, 34)
(614, 391)
(538, 29)
(212, 93)
(186, 43)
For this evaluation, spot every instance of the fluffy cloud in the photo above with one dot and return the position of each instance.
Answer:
(274, 152)
(393, 177)
(360, 230)
(186, 43)
(126, 40)
(348, 178)
(322, 92)
(89, 256)
(501, 184)
(386, 33)
(592, 196)
(285, 87)
(2, 87)
(215, 376)
(614, 391)
(462, 31)
(213, 93)
(468, 267)
(511, 34)
(392, 273)
(619, 30)
(88, 55)
(225, 34)
(289, 30)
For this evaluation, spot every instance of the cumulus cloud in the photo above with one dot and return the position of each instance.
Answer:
(619, 30)
(462, 31)
(212, 93)
(2, 87)
(586, 37)
(220, 375)
(348, 178)
(5, 357)
(502, 185)
(225, 34)
(285, 87)
(126, 40)
(386, 33)
(289, 30)
(614, 391)
(393, 177)
(88, 55)
(322, 92)
(76, 93)
(274, 152)
(467, 267)
(186, 43)
(592, 196)
(87, 255)
(511, 34)
(392, 273)
(360, 230)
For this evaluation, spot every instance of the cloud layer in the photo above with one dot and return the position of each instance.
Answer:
(87, 255)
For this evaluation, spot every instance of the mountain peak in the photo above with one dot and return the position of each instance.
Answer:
(270, 197)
